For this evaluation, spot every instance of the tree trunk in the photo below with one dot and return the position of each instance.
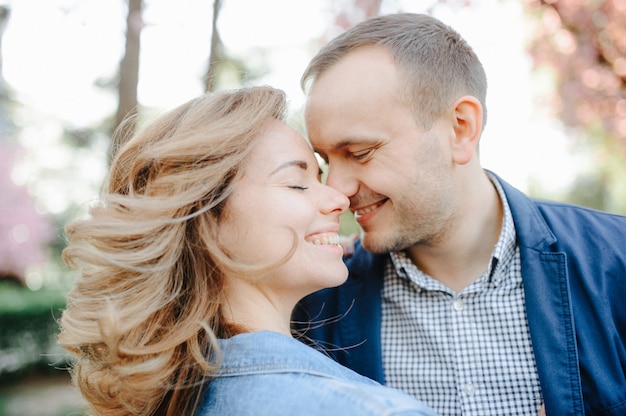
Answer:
(216, 54)
(129, 77)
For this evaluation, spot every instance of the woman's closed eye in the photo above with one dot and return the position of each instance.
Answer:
(299, 187)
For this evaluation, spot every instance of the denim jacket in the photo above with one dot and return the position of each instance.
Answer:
(271, 374)
(574, 277)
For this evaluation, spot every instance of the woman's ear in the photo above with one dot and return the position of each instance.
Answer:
(467, 124)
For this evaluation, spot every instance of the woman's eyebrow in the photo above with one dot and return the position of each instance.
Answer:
(299, 163)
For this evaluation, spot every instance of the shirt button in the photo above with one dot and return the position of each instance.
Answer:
(458, 304)
(469, 389)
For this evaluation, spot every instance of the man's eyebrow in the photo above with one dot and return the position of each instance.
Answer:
(299, 163)
(354, 141)
(344, 143)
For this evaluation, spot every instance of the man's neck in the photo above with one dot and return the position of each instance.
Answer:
(464, 254)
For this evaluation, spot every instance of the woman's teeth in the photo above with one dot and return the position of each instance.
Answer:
(324, 239)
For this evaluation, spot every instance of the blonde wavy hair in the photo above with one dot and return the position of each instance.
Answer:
(145, 312)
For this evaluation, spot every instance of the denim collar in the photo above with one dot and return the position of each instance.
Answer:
(267, 352)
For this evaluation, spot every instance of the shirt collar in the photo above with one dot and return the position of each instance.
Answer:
(267, 352)
(504, 249)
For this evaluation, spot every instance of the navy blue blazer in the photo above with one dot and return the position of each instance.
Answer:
(574, 277)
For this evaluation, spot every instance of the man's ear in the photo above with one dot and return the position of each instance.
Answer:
(467, 124)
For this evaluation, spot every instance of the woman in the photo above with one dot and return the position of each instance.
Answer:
(213, 224)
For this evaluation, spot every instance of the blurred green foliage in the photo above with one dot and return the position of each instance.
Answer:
(28, 331)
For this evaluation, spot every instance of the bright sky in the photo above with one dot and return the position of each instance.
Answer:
(54, 51)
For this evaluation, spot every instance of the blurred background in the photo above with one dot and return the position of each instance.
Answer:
(70, 70)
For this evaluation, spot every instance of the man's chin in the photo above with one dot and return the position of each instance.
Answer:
(376, 244)
(383, 243)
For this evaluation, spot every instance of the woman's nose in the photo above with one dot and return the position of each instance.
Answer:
(334, 201)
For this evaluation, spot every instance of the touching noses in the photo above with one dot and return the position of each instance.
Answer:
(334, 201)
(340, 179)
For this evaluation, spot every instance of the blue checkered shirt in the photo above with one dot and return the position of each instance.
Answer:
(466, 353)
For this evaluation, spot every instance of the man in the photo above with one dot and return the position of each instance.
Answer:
(462, 291)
